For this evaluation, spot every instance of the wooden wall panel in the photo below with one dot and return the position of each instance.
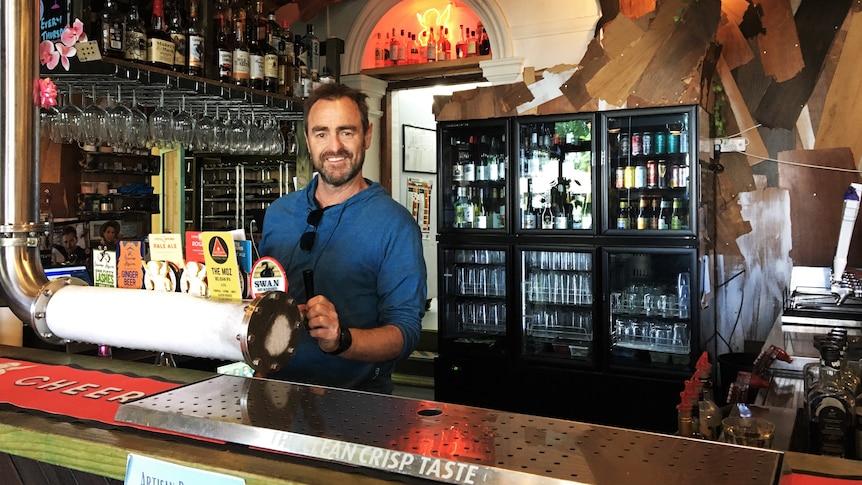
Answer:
(779, 45)
(817, 26)
(816, 204)
(842, 113)
(734, 47)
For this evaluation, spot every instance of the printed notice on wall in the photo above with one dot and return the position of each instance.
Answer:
(419, 203)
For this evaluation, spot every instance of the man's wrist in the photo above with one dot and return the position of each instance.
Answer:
(345, 340)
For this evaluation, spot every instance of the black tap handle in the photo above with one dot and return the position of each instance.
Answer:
(308, 279)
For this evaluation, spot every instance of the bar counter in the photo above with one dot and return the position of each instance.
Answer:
(103, 451)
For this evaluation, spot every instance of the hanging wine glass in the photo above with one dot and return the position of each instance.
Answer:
(69, 121)
(184, 126)
(139, 125)
(119, 124)
(47, 122)
(220, 143)
(205, 131)
(94, 126)
(161, 125)
(238, 132)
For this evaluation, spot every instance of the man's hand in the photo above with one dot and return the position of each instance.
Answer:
(323, 322)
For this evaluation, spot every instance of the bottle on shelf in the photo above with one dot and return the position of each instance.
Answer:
(445, 44)
(223, 51)
(461, 45)
(196, 43)
(654, 213)
(484, 44)
(160, 46)
(312, 51)
(413, 55)
(394, 46)
(255, 49)
(643, 215)
(547, 216)
(830, 410)
(112, 27)
(480, 211)
(463, 209)
(677, 217)
(136, 36)
(403, 48)
(270, 58)
(274, 37)
(472, 45)
(240, 50)
(623, 216)
(379, 52)
(431, 46)
(529, 217)
(664, 215)
(177, 31)
(561, 216)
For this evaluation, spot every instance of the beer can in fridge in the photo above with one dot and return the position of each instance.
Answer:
(651, 173)
(646, 143)
(636, 144)
(660, 139)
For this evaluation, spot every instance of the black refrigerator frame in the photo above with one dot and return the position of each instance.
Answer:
(599, 388)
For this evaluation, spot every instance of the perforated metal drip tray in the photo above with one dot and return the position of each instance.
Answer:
(438, 441)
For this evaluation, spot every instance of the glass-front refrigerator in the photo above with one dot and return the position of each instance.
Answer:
(651, 309)
(556, 166)
(651, 178)
(557, 302)
(473, 177)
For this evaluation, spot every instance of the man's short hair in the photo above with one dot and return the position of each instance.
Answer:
(333, 91)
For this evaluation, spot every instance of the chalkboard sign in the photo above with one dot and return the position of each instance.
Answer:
(53, 18)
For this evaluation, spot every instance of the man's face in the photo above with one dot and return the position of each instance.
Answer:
(69, 242)
(336, 141)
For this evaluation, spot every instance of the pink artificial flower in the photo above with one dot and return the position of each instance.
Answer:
(47, 93)
(75, 33)
(66, 52)
(48, 55)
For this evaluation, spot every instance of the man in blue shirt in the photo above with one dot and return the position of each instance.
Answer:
(363, 247)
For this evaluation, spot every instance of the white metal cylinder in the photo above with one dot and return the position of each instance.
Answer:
(148, 320)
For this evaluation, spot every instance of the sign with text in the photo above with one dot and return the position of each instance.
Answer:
(194, 247)
(223, 274)
(145, 470)
(130, 268)
(167, 247)
(104, 268)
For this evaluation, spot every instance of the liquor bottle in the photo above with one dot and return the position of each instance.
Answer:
(136, 36)
(270, 59)
(664, 215)
(643, 215)
(287, 37)
(472, 45)
(431, 46)
(196, 50)
(623, 217)
(393, 49)
(830, 410)
(160, 46)
(275, 32)
(445, 44)
(177, 31)
(413, 54)
(379, 52)
(561, 216)
(240, 51)
(709, 413)
(484, 44)
(461, 45)
(677, 218)
(224, 53)
(255, 49)
(469, 169)
(312, 51)
(112, 26)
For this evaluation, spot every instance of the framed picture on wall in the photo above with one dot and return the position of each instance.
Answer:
(419, 149)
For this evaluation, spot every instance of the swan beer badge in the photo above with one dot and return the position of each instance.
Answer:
(267, 275)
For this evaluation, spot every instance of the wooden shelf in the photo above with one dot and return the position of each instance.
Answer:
(468, 66)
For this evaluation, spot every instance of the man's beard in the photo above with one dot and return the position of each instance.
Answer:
(354, 163)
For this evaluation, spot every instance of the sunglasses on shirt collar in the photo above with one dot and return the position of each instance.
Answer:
(306, 242)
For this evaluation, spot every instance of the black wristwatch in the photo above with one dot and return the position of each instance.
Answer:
(345, 340)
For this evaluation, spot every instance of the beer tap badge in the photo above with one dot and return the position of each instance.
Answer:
(267, 275)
